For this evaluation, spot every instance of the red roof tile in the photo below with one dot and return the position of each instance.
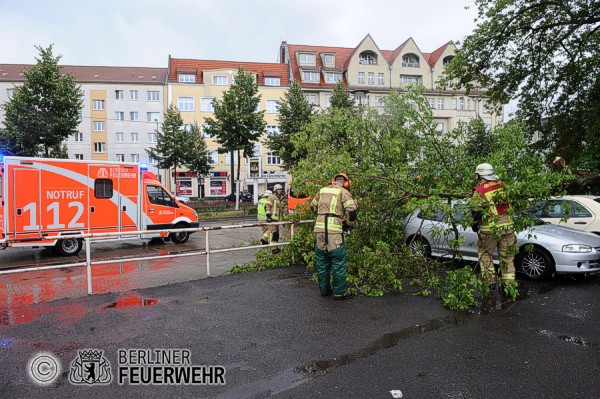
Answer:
(198, 66)
(433, 58)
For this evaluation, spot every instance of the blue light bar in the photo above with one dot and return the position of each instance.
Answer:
(144, 166)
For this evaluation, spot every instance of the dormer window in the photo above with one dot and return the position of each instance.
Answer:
(447, 60)
(368, 58)
(306, 58)
(410, 61)
(329, 59)
(186, 78)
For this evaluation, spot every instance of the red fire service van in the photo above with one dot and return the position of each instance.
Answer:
(54, 197)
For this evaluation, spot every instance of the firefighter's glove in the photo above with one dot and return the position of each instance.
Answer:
(346, 228)
(269, 219)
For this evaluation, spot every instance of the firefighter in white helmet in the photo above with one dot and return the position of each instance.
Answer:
(494, 225)
(262, 217)
(275, 211)
(331, 204)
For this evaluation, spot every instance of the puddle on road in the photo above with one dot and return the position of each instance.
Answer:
(388, 340)
(131, 301)
(566, 338)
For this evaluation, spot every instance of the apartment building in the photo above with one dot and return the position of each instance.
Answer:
(192, 85)
(122, 108)
(370, 73)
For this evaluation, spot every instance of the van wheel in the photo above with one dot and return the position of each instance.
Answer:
(180, 238)
(69, 246)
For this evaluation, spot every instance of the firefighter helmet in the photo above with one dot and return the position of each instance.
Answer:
(486, 171)
(342, 176)
(277, 187)
(267, 193)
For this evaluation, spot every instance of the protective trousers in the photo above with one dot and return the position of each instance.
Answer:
(506, 245)
(328, 263)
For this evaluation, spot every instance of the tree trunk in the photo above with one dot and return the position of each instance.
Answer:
(232, 173)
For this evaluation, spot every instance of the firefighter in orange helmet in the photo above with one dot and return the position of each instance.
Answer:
(331, 204)
(494, 227)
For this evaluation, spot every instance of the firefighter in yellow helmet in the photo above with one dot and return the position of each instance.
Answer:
(494, 226)
(262, 217)
(275, 211)
(331, 204)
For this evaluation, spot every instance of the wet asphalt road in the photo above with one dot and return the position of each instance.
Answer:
(277, 338)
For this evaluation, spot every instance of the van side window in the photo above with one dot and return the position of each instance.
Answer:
(103, 188)
(158, 196)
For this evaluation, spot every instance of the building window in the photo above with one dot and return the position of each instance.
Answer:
(410, 61)
(9, 93)
(311, 98)
(153, 116)
(153, 96)
(186, 103)
(134, 116)
(272, 129)
(305, 58)
(99, 126)
(332, 78)
(461, 104)
(120, 137)
(367, 58)
(206, 104)
(220, 80)
(379, 101)
(431, 103)
(440, 103)
(440, 127)
(135, 157)
(120, 116)
(272, 81)
(408, 79)
(79, 157)
(79, 137)
(453, 106)
(361, 78)
(327, 100)
(213, 157)
(468, 104)
(98, 105)
(371, 79)
(380, 80)
(119, 95)
(99, 147)
(484, 106)
(135, 137)
(310, 77)
(329, 59)
(228, 157)
(151, 137)
(272, 107)
(273, 159)
(133, 95)
(120, 157)
(151, 160)
(186, 78)
(447, 60)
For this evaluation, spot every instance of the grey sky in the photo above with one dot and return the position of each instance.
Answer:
(145, 32)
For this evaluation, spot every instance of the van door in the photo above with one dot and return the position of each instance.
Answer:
(103, 208)
(127, 192)
(27, 203)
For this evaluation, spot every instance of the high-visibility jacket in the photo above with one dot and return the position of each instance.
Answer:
(497, 215)
(274, 207)
(261, 212)
(330, 204)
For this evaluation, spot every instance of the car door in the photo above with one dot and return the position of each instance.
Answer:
(468, 247)
(576, 215)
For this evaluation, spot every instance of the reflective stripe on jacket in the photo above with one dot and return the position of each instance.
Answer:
(330, 204)
(274, 207)
(261, 212)
(497, 215)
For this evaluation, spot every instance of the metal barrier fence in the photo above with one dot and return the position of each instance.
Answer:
(89, 238)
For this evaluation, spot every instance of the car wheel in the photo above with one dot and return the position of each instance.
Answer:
(536, 264)
(180, 238)
(419, 246)
(69, 246)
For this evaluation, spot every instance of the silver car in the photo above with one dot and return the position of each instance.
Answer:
(554, 249)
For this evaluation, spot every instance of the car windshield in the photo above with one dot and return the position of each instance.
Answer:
(459, 209)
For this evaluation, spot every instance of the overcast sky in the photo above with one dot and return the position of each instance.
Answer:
(145, 32)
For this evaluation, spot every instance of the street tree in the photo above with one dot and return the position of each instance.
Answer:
(294, 113)
(341, 97)
(237, 125)
(398, 161)
(546, 55)
(172, 143)
(43, 111)
(197, 155)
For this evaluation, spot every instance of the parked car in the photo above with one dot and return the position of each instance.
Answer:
(183, 200)
(554, 249)
(244, 196)
(581, 212)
